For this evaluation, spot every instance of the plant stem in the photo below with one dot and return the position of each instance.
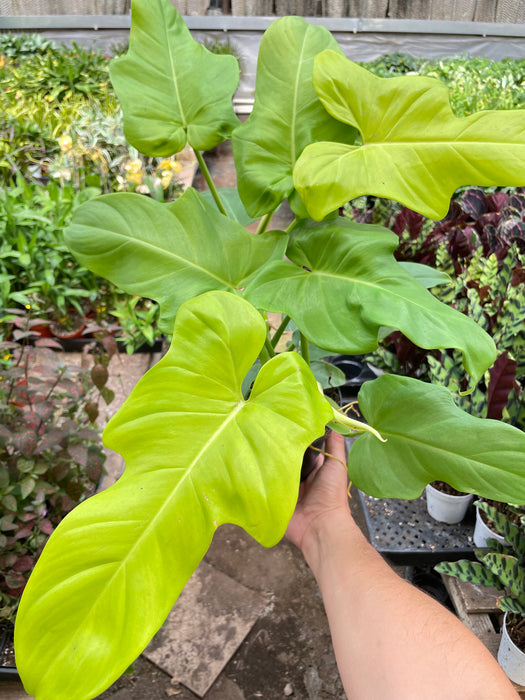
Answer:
(269, 347)
(263, 223)
(305, 350)
(355, 425)
(290, 227)
(278, 333)
(267, 351)
(264, 355)
(209, 182)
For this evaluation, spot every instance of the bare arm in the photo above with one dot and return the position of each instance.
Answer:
(391, 641)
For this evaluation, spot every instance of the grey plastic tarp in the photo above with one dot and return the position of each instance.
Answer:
(361, 46)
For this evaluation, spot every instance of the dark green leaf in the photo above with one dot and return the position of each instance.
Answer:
(428, 438)
(346, 284)
(287, 114)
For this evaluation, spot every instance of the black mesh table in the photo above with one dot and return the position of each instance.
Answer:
(405, 533)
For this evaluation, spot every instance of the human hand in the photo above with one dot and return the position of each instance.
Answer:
(323, 496)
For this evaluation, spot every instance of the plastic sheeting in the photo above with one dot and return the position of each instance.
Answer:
(360, 46)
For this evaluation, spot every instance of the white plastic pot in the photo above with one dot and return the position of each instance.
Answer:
(510, 658)
(446, 508)
(482, 532)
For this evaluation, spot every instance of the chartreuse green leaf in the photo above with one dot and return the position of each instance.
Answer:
(167, 252)
(197, 455)
(287, 114)
(429, 438)
(172, 90)
(344, 284)
(414, 149)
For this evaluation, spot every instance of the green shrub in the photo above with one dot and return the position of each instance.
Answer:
(36, 268)
(474, 83)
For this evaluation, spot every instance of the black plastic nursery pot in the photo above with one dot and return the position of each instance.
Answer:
(356, 372)
(7, 652)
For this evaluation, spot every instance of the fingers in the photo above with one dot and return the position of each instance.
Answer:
(319, 461)
(335, 445)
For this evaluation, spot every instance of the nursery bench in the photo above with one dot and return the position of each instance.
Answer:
(476, 607)
(404, 533)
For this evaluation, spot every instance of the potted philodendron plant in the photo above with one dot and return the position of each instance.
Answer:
(502, 566)
(216, 431)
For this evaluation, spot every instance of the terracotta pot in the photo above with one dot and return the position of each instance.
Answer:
(42, 330)
(446, 508)
(62, 331)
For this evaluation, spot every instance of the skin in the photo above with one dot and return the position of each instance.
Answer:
(391, 641)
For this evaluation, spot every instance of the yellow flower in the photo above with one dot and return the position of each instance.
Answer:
(166, 180)
(28, 306)
(133, 166)
(65, 142)
(167, 166)
(7, 356)
(134, 178)
(18, 94)
(2, 61)
(133, 170)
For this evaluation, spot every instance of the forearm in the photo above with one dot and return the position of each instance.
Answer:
(390, 639)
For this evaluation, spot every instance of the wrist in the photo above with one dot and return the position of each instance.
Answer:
(325, 537)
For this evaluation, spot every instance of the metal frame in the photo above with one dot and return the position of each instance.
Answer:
(226, 23)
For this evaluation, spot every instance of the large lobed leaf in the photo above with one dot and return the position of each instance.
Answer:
(414, 149)
(344, 284)
(197, 455)
(428, 438)
(287, 114)
(167, 252)
(173, 90)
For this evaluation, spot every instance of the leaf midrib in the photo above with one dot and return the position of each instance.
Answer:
(168, 253)
(172, 66)
(426, 144)
(294, 101)
(433, 447)
(375, 286)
